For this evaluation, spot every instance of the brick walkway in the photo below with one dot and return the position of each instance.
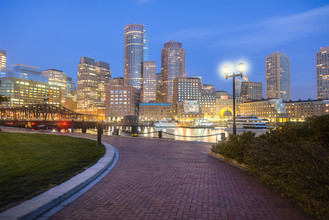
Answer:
(174, 180)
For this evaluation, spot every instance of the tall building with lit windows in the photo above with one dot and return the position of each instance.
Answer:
(3, 59)
(93, 77)
(57, 78)
(121, 101)
(134, 54)
(172, 66)
(23, 92)
(322, 73)
(278, 76)
(148, 93)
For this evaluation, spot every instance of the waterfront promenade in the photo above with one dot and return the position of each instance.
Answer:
(158, 179)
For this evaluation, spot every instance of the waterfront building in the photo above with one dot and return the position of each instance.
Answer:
(274, 110)
(322, 73)
(154, 111)
(28, 72)
(148, 93)
(117, 81)
(301, 109)
(186, 88)
(172, 66)
(23, 92)
(224, 108)
(208, 106)
(121, 101)
(133, 55)
(278, 76)
(207, 88)
(188, 111)
(251, 90)
(93, 77)
(3, 59)
(57, 78)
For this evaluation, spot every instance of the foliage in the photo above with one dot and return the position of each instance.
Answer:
(3, 99)
(292, 158)
(32, 163)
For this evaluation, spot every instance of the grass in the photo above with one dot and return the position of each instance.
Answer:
(33, 163)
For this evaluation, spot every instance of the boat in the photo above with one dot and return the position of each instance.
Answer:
(203, 123)
(165, 124)
(249, 122)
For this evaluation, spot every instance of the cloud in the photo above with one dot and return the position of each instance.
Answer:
(285, 29)
(270, 32)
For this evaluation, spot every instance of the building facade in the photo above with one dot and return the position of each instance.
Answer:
(28, 72)
(154, 111)
(322, 73)
(207, 88)
(133, 55)
(92, 81)
(57, 78)
(117, 81)
(186, 88)
(121, 101)
(71, 98)
(158, 88)
(274, 110)
(172, 66)
(251, 91)
(3, 59)
(148, 92)
(278, 76)
(23, 92)
(299, 110)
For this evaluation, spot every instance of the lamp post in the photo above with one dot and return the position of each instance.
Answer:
(226, 72)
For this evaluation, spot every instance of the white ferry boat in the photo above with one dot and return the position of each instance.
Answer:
(250, 122)
(165, 124)
(203, 123)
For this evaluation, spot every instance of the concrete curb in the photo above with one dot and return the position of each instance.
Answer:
(222, 158)
(38, 205)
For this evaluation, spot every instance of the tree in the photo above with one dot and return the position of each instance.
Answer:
(3, 99)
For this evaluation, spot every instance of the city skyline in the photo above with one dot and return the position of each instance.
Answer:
(201, 59)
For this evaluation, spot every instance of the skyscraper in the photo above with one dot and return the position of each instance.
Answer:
(322, 73)
(149, 82)
(172, 66)
(133, 54)
(251, 90)
(57, 78)
(3, 59)
(278, 76)
(92, 81)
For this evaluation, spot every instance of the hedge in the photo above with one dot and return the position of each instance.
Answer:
(293, 158)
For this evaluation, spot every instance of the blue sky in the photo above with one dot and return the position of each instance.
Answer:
(55, 34)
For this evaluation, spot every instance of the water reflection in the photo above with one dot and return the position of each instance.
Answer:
(211, 135)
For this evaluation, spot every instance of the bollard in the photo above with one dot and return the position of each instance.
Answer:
(222, 137)
(99, 134)
(160, 134)
(83, 127)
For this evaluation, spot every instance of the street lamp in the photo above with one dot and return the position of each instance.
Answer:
(226, 72)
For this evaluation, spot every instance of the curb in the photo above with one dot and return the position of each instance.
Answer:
(222, 158)
(38, 205)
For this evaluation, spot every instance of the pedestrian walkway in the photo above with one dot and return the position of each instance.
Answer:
(156, 179)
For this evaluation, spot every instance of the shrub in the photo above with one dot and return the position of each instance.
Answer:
(292, 158)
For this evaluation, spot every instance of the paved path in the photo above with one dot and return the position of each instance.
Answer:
(174, 180)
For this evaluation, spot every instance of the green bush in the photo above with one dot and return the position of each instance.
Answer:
(294, 159)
